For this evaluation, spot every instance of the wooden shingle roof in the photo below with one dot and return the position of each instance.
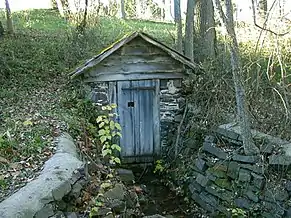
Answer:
(126, 39)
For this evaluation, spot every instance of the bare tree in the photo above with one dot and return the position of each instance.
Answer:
(82, 26)
(263, 8)
(60, 7)
(10, 29)
(178, 22)
(227, 21)
(122, 9)
(189, 29)
(205, 28)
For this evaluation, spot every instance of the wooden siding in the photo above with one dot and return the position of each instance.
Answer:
(139, 121)
(137, 60)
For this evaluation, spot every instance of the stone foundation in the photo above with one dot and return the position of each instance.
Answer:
(225, 178)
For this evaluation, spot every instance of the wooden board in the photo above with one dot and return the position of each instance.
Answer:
(137, 107)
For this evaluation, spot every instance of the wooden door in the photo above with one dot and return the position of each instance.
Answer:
(138, 115)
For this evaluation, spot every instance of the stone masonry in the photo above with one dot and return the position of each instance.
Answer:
(171, 103)
(225, 178)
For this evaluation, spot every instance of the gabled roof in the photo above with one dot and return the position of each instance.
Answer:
(126, 39)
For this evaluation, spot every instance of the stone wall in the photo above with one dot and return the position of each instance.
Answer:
(225, 178)
(49, 195)
(171, 103)
(98, 92)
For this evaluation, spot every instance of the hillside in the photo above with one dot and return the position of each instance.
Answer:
(37, 99)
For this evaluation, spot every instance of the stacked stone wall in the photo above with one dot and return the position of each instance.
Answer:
(225, 178)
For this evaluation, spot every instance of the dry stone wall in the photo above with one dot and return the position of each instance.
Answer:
(61, 180)
(225, 178)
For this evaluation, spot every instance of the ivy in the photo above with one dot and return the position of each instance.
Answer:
(109, 132)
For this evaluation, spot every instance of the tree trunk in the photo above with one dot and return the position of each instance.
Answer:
(1, 30)
(83, 24)
(178, 22)
(227, 22)
(8, 18)
(139, 8)
(206, 30)
(60, 8)
(122, 10)
(263, 8)
(189, 30)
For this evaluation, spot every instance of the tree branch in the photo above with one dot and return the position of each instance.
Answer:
(261, 27)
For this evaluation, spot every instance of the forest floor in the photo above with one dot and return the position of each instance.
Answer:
(37, 99)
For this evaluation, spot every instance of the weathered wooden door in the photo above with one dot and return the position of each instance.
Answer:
(139, 118)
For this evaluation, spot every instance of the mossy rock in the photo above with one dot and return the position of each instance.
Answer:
(223, 183)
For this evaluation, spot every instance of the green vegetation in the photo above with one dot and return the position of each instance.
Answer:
(37, 99)
(109, 132)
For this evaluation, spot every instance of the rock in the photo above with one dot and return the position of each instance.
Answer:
(208, 198)
(126, 176)
(210, 148)
(62, 205)
(220, 166)
(242, 203)
(274, 208)
(281, 195)
(258, 181)
(71, 215)
(219, 192)
(203, 204)
(275, 194)
(178, 118)
(244, 175)
(200, 164)
(60, 191)
(233, 169)
(46, 211)
(245, 159)
(76, 190)
(117, 206)
(252, 196)
(202, 180)
(288, 186)
(267, 148)
(210, 139)
(223, 183)
(288, 212)
(254, 168)
(227, 133)
(279, 159)
(117, 192)
(216, 173)
(194, 187)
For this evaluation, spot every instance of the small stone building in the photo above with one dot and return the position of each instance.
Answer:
(143, 77)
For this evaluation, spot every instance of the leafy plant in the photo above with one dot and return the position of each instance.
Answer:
(159, 166)
(108, 133)
(238, 212)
